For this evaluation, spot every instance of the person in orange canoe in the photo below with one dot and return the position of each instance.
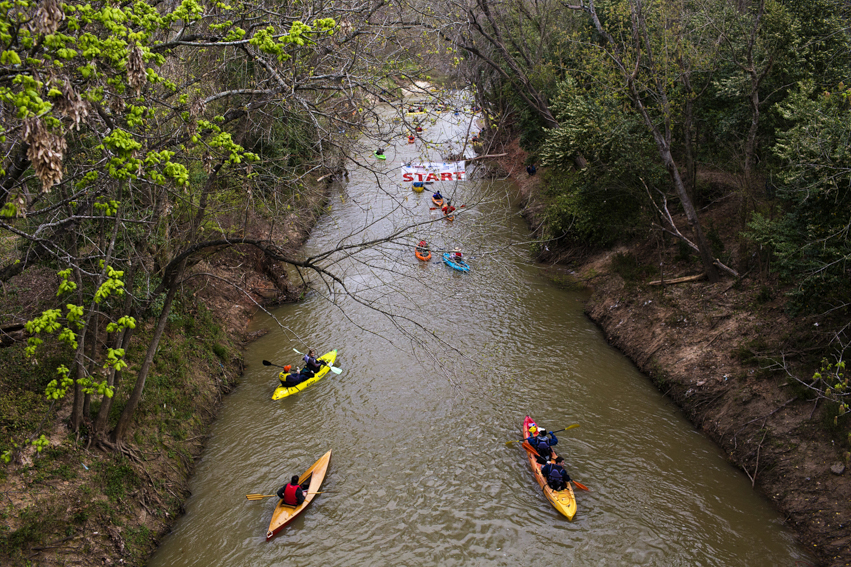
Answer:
(293, 494)
(538, 440)
(557, 477)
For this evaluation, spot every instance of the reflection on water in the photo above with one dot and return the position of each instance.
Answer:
(419, 418)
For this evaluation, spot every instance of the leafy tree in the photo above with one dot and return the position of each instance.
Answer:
(124, 134)
(810, 239)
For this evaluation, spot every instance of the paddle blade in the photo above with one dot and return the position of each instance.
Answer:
(530, 449)
(258, 496)
(580, 485)
(267, 363)
(298, 351)
(512, 442)
(336, 370)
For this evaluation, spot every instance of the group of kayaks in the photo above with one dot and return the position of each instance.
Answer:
(423, 254)
(564, 501)
(284, 513)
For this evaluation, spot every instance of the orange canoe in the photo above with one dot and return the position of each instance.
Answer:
(283, 513)
(563, 500)
(423, 254)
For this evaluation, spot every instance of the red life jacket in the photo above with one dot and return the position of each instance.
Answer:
(290, 494)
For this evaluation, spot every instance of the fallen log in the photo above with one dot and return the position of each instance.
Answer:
(683, 279)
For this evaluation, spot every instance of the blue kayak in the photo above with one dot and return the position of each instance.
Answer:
(459, 265)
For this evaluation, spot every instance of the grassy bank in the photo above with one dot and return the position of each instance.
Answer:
(70, 503)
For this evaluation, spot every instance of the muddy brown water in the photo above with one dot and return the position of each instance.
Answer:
(419, 418)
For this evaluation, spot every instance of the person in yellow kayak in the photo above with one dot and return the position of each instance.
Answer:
(292, 494)
(312, 365)
(557, 477)
(290, 379)
(538, 440)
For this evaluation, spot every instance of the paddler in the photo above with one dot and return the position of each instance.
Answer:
(457, 257)
(289, 379)
(557, 477)
(538, 440)
(312, 365)
(379, 152)
(292, 494)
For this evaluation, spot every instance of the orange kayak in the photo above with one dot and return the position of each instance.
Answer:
(564, 500)
(283, 513)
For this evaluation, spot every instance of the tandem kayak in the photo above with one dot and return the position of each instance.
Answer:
(283, 513)
(283, 392)
(459, 265)
(564, 500)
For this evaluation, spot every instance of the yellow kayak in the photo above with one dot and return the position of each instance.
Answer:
(282, 392)
(564, 500)
(284, 514)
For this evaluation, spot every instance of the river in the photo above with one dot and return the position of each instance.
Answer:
(439, 370)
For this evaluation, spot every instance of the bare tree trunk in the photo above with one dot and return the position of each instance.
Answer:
(663, 144)
(173, 280)
(126, 418)
(123, 341)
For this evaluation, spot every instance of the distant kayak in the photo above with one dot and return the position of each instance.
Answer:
(380, 156)
(437, 202)
(422, 253)
(459, 265)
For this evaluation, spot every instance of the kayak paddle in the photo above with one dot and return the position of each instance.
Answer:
(262, 496)
(557, 431)
(334, 369)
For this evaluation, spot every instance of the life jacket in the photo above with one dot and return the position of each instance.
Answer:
(290, 494)
(554, 479)
(541, 445)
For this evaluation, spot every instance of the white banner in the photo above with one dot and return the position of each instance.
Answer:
(434, 171)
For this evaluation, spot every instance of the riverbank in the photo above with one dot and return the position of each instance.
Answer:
(74, 504)
(699, 344)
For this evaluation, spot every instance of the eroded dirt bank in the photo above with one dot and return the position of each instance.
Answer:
(698, 343)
